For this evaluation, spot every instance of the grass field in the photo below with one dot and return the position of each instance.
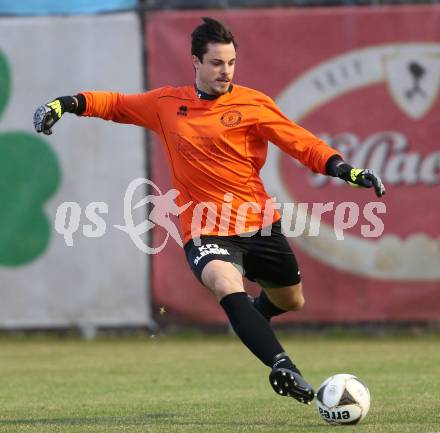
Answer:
(207, 385)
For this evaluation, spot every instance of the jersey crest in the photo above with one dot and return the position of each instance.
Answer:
(231, 118)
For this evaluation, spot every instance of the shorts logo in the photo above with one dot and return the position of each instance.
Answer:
(210, 249)
(231, 118)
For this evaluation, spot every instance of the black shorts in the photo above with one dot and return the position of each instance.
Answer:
(268, 260)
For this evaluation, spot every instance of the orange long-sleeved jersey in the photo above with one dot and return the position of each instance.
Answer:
(215, 150)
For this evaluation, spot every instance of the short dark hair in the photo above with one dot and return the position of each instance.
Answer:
(211, 31)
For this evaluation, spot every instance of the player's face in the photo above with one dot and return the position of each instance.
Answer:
(214, 75)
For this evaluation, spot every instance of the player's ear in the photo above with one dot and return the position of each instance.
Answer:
(196, 61)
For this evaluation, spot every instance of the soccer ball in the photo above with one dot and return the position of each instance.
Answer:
(343, 399)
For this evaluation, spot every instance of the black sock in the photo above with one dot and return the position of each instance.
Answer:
(265, 306)
(252, 329)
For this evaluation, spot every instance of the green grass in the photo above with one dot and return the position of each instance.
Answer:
(207, 385)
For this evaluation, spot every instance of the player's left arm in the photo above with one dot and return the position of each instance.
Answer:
(357, 177)
(310, 150)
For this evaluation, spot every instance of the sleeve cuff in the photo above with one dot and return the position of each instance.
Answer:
(332, 164)
(81, 104)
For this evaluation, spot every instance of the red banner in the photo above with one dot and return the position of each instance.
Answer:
(367, 81)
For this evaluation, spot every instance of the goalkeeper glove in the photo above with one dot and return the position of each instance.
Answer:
(48, 114)
(359, 177)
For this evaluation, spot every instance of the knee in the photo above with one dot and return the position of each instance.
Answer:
(224, 285)
(294, 303)
(298, 302)
(222, 278)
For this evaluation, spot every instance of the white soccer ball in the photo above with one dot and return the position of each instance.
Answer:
(343, 399)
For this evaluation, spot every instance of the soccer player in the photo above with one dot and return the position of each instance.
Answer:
(215, 135)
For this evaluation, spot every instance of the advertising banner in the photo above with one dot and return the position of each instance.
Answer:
(369, 89)
(62, 261)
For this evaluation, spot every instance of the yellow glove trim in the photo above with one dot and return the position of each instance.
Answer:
(354, 173)
(56, 106)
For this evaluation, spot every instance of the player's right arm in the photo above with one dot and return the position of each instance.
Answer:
(137, 109)
(47, 115)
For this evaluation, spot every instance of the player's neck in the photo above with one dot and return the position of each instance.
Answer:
(203, 95)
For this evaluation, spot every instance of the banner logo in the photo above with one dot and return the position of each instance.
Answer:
(413, 77)
(411, 72)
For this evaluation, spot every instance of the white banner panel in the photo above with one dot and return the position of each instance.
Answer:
(101, 280)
